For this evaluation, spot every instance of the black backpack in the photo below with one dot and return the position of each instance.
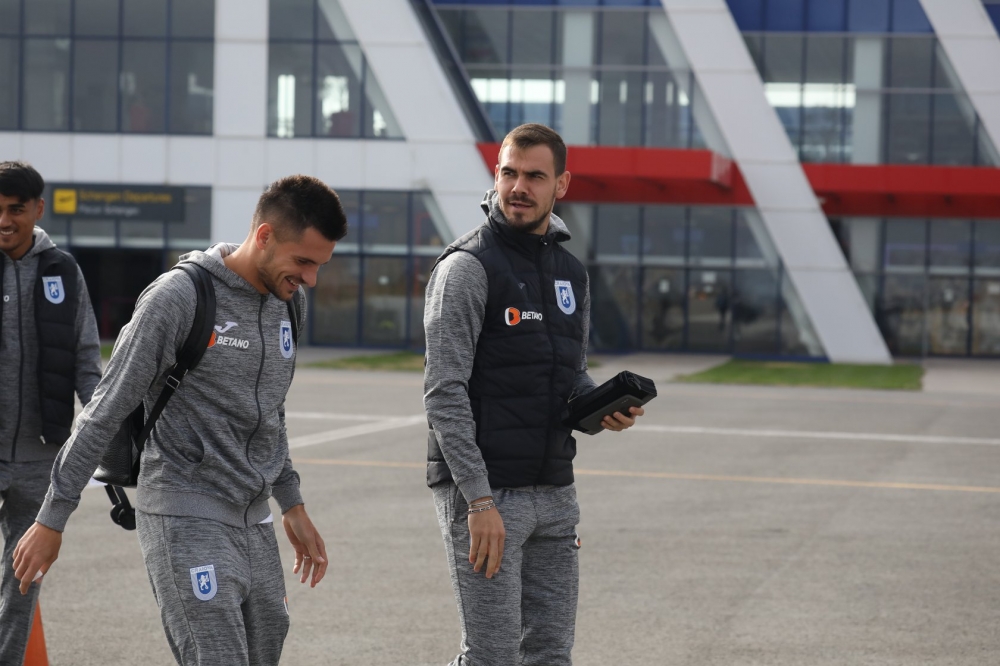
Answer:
(119, 468)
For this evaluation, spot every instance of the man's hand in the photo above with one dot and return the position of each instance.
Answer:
(486, 536)
(35, 553)
(618, 421)
(310, 551)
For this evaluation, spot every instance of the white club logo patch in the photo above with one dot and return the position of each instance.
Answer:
(204, 583)
(287, 348)
(565, 297)
(54, 292)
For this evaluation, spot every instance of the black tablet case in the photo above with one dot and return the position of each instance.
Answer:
(624, 390)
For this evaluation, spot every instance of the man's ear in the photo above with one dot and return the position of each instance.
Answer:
(40, 210)
(263, 235)
(562, 184)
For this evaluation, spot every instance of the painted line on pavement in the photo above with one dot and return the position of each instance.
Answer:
(398, 422)
(336, 417)
(819, 434)
(354, 431)
(836, 483)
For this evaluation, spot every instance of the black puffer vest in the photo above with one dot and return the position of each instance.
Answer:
(55, 304)
(527, 357)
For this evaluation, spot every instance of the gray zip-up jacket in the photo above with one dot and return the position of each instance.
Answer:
(454, 311)
(219, 449)
(20, 411)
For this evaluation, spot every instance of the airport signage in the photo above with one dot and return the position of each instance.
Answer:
(125, 202)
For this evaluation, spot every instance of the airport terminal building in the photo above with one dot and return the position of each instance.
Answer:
(767, 178)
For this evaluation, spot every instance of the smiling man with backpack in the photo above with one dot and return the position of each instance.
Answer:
(219, 449)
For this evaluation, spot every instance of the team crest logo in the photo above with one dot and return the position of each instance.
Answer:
(287, 348)
(565, 297)
(54, 292)
(204, 583)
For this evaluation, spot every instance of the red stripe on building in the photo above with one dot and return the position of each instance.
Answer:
(606, 174)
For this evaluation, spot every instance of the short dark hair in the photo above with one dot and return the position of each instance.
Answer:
(21, 180)
(535, 134)
(295, 203)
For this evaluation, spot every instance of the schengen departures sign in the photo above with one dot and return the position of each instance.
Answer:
(125, 202)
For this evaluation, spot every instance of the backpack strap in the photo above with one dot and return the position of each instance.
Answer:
(194, 347)
(122, 512)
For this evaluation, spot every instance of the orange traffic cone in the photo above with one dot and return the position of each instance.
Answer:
(36, 654)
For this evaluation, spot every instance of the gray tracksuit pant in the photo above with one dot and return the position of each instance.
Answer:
(22, 489)
(220, 589)
(525, 614)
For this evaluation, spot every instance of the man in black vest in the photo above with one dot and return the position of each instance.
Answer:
(49, 348)
(506, 349)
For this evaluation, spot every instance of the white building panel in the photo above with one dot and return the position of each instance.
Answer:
(143, 159)
(51, 154)
(340, 163)
(191, 160)
(798, 245)
(96, 158)
(288, 156)
(714, 49)
(232, 212)
(241, 163)
(388, 165)
(781, 186)
(240, 108)
(970, 41)
(10, 146)
(245, 20)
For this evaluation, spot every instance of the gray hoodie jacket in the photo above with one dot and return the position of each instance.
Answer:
(219, 449)
(20, 412)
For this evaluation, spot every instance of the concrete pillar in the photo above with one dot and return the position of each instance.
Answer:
(578, 51)
(869, 75)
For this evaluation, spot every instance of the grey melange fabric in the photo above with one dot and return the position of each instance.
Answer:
(20, 438)
(526, 613)
(22, 487)
(535, 592)
(244, 620)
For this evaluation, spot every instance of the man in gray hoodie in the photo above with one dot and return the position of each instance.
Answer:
(219, 450)
(48, 349)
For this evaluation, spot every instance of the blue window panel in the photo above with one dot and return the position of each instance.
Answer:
(575, 3)
(994, 12)
(868, 16)
(785, 15)
(827, 16)
(909, 16)
(749, 14)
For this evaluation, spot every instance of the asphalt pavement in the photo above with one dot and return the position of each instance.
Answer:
(733, 526)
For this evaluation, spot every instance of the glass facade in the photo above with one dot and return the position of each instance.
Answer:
(869, 98)
(933, 285)
(319, 82)
(861, 16)
(372, 291)
(683, 278)
(597, 76)
(107, 65)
